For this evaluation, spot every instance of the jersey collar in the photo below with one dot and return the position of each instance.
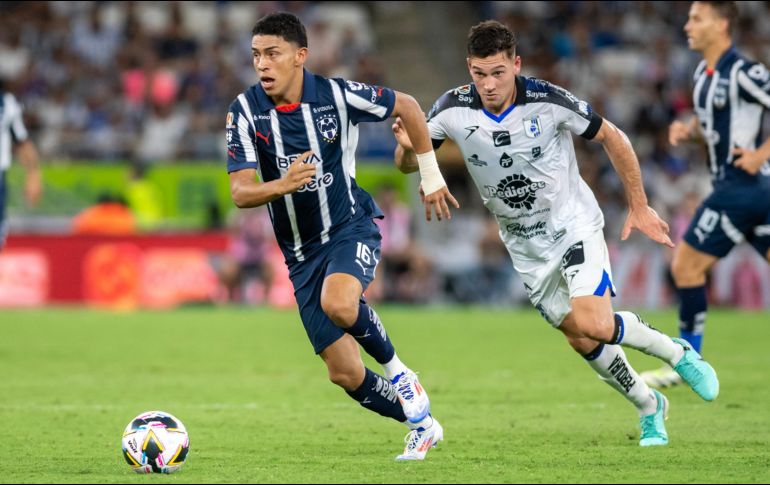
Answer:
(726, 58)
(521, 91)
(309, 92)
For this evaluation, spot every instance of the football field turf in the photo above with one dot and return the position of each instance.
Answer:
(516, 403)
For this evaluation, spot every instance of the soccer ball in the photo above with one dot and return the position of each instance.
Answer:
(155, 442)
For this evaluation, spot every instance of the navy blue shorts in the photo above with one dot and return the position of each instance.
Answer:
(3, 196)
(354, 250)
(729, 217)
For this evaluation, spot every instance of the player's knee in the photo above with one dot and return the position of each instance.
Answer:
(684, 271)
(342, 313)
(595, 326)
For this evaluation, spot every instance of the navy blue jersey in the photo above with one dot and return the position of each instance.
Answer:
(12, 128)
(269, 138)
(730, 102)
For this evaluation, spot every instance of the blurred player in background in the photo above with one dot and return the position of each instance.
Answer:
(299, 131)
(514, 133)
(13, 136)
(730, 97)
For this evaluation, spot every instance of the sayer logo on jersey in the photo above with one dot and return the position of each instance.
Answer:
(516, 191)
(501, 138)
(328, 127)
(532, 127)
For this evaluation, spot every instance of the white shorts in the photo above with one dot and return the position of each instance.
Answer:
(582, 270)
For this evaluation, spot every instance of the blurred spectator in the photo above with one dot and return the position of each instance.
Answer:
(144, 199)
(122, 78)
(406, 274)
(110, 216)
(245, 270)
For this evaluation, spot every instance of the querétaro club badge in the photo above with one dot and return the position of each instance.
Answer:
(328, 127)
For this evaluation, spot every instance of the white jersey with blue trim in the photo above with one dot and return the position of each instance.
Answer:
(12, 128)
(729, 102)
(523, 163)
(269, 138)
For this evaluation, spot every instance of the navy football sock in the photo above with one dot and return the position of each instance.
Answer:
(380, 396)
(692, 314)
(370, 334)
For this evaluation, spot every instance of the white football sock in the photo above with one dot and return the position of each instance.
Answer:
(637, 334)
(613, 368)
(394, 367)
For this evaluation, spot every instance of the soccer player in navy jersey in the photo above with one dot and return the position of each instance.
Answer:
(15, 138)
(731, 95)
(291, 142)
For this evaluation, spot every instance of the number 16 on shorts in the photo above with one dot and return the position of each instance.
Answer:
(366, 259)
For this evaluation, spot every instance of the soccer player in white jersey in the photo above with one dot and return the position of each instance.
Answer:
(291, 143)
(14, 137)
(731, 97)
(515, 134)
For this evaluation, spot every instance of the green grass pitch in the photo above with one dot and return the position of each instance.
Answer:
(516, 403)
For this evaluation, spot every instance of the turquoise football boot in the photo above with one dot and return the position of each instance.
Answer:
(653, 426)
(697, 372)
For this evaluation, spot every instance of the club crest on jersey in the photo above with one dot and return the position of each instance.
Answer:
(532, 127)
(229, 121)
(720, 97)
(328, 127)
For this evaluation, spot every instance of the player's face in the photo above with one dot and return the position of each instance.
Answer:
(278, 63)
(704, 26)
(495, 79)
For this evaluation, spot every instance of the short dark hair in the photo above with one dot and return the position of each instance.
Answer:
(282, 24)
(490, 37)
(726, 10)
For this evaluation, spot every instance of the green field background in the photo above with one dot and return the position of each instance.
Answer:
(516, 403)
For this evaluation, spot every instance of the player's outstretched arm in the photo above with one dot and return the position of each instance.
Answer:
(640, 215)
(405, 158)
(246, 191)
(412, 119)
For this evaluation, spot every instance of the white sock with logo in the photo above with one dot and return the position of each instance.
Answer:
(610, 362)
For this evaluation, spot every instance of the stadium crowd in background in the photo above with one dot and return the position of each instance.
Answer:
(166, 69)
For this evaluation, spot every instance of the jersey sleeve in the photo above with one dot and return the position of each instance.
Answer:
(574, 114)
(18, 130)
(366, 102)
(241, 142)
(754, 84)
(438, 122)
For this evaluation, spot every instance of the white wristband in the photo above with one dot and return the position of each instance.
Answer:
(432, 180)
